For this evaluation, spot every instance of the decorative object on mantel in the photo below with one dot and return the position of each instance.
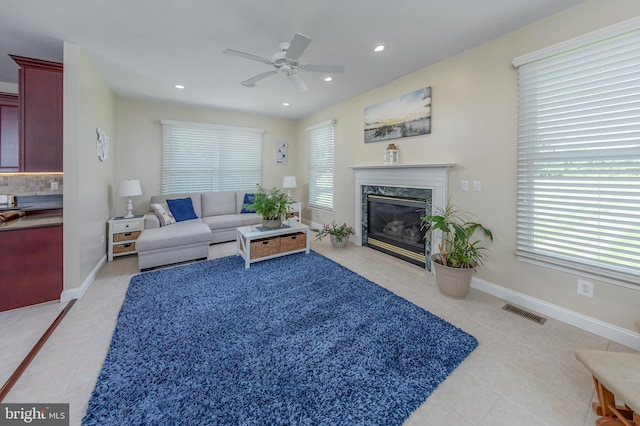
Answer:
(391, 155)
(272, 206)
(458, 255)
(129, 188)
(102, 145)
(405, 116)
(338, 234)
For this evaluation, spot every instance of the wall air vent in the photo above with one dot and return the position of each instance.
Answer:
(524, 314)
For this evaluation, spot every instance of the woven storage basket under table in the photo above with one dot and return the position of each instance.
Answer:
(265, 247)
(124, 248)
(127, 236)
(292, 242)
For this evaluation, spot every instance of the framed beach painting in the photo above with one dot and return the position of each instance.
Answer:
(402, 117)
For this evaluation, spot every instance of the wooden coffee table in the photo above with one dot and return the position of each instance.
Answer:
(254, 244)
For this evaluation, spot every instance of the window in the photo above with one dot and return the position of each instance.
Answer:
(579, 155)
(205, 157)
(321, 164)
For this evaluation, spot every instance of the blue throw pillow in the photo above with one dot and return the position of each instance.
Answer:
(248, 199)
(182, 209)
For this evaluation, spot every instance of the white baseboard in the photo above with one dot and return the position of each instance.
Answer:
(587, 323)
(314, 225)
(77, 292)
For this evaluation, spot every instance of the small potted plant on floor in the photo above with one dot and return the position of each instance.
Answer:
(272, 205)
(458, 252)
(339, 234)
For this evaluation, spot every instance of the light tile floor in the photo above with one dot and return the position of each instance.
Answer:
(522, 373)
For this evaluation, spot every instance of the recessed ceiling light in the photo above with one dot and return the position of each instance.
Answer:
(285, 104)
(327, 78)
(179, 86)
(378, 47)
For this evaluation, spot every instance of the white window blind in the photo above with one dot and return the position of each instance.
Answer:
(579, 158)
(202, 157)
(321, 164)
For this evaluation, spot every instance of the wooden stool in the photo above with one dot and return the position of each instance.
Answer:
(614, 374)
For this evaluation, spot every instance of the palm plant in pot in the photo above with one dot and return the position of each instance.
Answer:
(458, 252)
(272, 205)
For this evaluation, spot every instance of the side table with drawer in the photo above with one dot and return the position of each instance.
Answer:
(123, 233)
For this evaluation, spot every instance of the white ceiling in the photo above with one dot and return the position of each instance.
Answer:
(144, 47)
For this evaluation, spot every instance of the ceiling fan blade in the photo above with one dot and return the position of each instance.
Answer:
(246, 56)
(297, 46)
(332, 69)
(252, 81)
(297, 82)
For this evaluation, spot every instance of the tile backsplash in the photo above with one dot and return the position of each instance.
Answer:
(31, 183)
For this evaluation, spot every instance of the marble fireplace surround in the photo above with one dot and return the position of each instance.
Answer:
(434, 177)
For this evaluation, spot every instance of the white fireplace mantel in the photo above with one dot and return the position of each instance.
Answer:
(422, 176)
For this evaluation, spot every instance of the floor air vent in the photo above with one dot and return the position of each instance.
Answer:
(524, 314)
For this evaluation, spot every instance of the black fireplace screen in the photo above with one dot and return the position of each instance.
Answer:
(394, 227)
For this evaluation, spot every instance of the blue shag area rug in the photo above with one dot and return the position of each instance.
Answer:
(297, 340)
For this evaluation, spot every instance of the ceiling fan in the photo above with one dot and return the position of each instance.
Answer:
(286, 62)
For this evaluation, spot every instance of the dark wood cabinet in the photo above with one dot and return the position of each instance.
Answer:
(41, 94)
(9, 145)
(30, 266)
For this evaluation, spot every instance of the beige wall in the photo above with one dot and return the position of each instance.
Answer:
(140, 143)
(89, 103)
(474, 125)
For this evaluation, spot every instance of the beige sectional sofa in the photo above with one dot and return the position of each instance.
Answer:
(219, 214)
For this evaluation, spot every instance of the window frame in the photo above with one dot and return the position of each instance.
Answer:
(324, 136)
(201, 157)
(600, 268)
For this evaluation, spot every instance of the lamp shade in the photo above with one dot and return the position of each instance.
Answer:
(129, 188)
(289, 182)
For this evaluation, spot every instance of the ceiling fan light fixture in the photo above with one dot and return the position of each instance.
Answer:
(378, 47)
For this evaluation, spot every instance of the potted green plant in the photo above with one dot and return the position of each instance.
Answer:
(458, 252)
(339, 234)
(272, 205)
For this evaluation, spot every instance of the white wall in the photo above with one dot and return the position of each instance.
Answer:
(474, 125)
(140, 143)
(88, 103)
(9, 87)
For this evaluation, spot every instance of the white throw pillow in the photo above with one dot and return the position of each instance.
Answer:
(165, 217)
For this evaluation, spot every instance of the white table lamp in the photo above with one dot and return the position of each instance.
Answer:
(289, 182)
(129, 188)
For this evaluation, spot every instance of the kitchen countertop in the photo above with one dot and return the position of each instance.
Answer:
(29, 203)
(31, 222)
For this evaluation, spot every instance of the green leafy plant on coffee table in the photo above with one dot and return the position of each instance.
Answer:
(271, 205)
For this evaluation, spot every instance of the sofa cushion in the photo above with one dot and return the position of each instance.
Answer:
(218, 203)
(223, 221)
(179, 234)
(196, 199)
(251, 219)
(182, 209)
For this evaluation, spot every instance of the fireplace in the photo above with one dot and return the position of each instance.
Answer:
(426, 183)
(393, 227)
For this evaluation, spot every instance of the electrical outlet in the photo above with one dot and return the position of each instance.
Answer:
(318, 214)
(54, 186)
(585, 288)
(102, 240)
(477, 187)
(464, 185)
